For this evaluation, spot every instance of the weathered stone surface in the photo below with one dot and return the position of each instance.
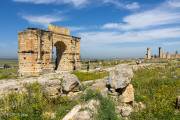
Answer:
(120, 77)
(57, 29)
(100, 85)
(128, 94)
(36, 46)
(51, 83)
(70, 83)
(72, 113)
(126, 111)
(83, 111)
(83, 115)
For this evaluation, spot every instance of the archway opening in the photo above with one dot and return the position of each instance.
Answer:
(60, 48)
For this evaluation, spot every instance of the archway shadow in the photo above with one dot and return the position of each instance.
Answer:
(60, 48)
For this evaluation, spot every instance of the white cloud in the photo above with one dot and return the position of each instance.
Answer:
(172, 43)
(120, 4)
(133, 6)
(76, 3)
(110, 44)
(76, 28)
(146, 19)
(157, 24)
(41, 19)
(82, 3)
(100, 38)
(174, 3)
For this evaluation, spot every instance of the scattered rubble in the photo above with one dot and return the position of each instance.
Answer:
(53, 84)
(83, 111)
(118, 86)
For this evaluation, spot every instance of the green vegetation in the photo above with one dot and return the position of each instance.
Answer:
(35, 105)
(8, 73)
(84, 76)
(103, 63)
(106, 110)
(158, 88)
(11, 62)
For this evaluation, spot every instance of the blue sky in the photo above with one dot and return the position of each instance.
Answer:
(108, 28)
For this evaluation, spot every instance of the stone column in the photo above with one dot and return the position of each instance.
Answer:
(168, 56)
(160, 52)
(148, 53)
(176, 54)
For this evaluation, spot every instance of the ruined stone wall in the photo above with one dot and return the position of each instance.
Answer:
(148, 54)
(36, 51)
(162, 54)
(28, 46)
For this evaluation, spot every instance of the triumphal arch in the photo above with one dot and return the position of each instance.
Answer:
(43, 51)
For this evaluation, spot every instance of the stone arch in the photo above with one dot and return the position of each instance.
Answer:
(60, 49)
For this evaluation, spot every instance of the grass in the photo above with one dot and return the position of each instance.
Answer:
(36, 105)
(85, 76)
(157, 88)
(8, 73)
(11, 72)
(103, 63)
(33, 105)
(11, 62)
(106, 110)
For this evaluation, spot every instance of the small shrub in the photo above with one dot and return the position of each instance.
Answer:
(90, 94)
(106, 110)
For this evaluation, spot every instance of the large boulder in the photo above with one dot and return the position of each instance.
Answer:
(127, 95)
(120, 77)
(70, 83)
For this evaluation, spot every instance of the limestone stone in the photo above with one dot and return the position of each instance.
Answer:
(148, 55)
(120, 77)
(72, 113)
(82, 115)
(83, 111)
(51, 84)
(126, 111)
(128, 94)
(36, 46)
(70, 83)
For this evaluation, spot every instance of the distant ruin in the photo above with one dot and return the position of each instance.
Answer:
(37, 46)
(161, 54)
